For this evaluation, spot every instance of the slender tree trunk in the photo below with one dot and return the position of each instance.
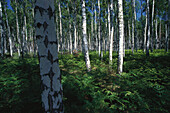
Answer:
(17, 26)
(148, 37)
(145, 34)
(166, 38)
(86, 52)
(111, 35)
(153, 4)
(133, 27)
(26, 34)
(92, 34)
(99, 29)
(96, 27)
(121, 36)
(47, 49)
(61, 30)
(71, 46)
(9, 33)
(1, 30)
(160, 41)
(129, 45)
(156, 34)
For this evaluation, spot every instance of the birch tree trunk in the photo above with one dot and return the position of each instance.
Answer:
(129, 42)
(92, 34)
(160, 43)
(148, 35)
(96, 28)
(71, 46)
(166, 38)
(61, 30)
(84, 29)
(47, 50)
(121, 36)
(99, 35)
(153, 4)
(133, 28)
(1, 30)
(111, 35)
(75, 29)
(145, 34)
(17, 26)
(156, 34)
(9, 32)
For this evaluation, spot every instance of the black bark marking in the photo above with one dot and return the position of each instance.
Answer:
(55, 94)
(38, 36)
(50, 12)
(39, 24)
(45, 25)
(53, 42)
(43, 86)
(51, 74)
(50, 57)
(41, 10)
(46, 41)
(56, 60)
(61, 107)
(50, 103)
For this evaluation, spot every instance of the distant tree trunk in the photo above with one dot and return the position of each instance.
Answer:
(133, 27)
(153, 4)
(92, 34)
(121, 36)
(148, 37)
(17, 27)
(96, 28)
(86, 52)
(145, 34)
(99, 32)
(160, 43)
(26, 34)
(111, 34)
(166, 38)
(47, 49)
(70, 43)
(9, 32)
(1, 30)
(129, 42)
(156, 34)
(61, 30)
(75, 29)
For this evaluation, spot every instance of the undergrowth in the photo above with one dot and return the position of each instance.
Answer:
(143, 87)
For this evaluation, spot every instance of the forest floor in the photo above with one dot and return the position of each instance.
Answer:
(144, 85)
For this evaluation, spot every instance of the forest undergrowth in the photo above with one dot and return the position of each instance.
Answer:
(142, 87)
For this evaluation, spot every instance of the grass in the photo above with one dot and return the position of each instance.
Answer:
(143, 87)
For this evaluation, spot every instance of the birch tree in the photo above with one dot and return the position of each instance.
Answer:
(47, 49)
(153, 5)
(1, 30)
(84, 29)
(148, 35)
(121, 36)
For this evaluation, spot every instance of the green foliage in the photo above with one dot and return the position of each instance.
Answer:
(143, 87)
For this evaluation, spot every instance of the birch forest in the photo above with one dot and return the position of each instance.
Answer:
(84, 56)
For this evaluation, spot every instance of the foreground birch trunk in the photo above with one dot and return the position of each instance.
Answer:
(121, 36)
(47, 49)
(84, 29)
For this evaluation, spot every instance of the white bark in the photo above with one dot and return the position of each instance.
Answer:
(61, 30)
(9, 33)
(99, 29)
(153, 4)
(17, 26)
(129, 42)
(156, 34)
(133, 26)
(121, 36)
(145, 34)
(47, 49)
(111, 34)
(1, 30)
(148, 36)
(166, 38)
(86, 52)
(96, 28)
